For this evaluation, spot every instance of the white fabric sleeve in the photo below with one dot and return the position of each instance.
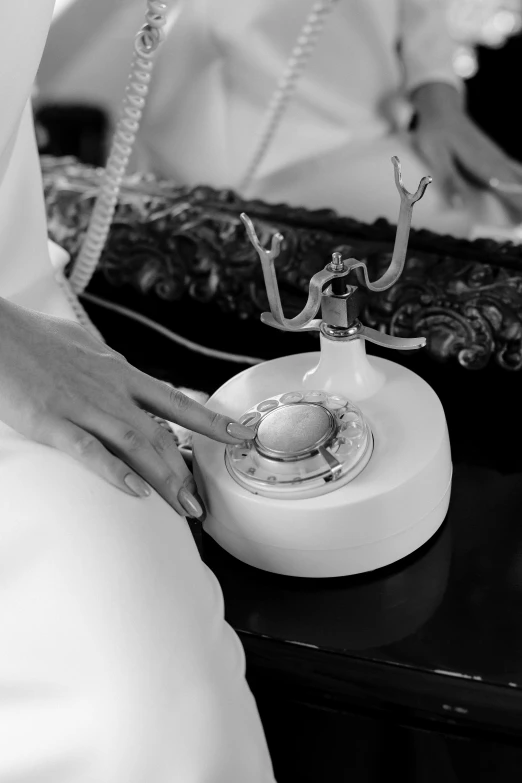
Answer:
(24, 25)
(26, 272)
(426, 45)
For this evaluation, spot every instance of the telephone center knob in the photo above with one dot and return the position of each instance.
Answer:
(307, 443)
(294, 431)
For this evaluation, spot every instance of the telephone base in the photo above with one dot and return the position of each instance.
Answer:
(324, 563)
(388, 511)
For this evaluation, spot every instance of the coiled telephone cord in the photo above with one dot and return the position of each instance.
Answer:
(146, 45)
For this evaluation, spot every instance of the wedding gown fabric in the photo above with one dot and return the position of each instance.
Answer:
(215, 75)
(116, 664)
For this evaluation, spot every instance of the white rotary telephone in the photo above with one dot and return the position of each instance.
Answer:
(350, 469)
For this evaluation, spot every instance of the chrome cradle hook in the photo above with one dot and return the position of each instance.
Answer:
(304, 321)
(400, 247)
(339, 268)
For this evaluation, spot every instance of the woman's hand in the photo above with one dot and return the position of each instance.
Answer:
(62, 387)
(454, 147)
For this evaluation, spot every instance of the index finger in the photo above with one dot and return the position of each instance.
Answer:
(170, 403)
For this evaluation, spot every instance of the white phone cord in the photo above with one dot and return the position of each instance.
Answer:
(145, 47)
(282, 96)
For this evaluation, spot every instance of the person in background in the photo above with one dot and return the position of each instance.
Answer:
(375, 65)
(116, 664)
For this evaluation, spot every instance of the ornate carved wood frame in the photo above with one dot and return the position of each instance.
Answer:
(174, 242)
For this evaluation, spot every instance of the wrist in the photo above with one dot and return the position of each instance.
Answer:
(437, 98)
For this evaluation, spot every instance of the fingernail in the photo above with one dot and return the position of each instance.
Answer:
(239, 431)
(136, 485)
(190, 503)
(202, 517)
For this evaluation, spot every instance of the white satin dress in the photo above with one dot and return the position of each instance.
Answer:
(116, 664)
(217, 71)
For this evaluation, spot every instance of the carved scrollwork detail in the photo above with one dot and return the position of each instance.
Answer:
(177, 243)
(467, 311)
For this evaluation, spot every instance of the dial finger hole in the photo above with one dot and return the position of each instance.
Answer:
(336, 403)
(353, 429)
(248, 419)
(267, 405)
(348, 416)
(315, 396)
(291, 397)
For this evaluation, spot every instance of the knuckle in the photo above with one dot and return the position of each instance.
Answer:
(120, 358)
(189, 483)
(162, 439)
(171, 483)
(86, 446)
(215, 421)
(133, 441)
(178, 400)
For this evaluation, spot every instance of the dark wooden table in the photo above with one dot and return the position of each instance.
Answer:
(413, 671)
